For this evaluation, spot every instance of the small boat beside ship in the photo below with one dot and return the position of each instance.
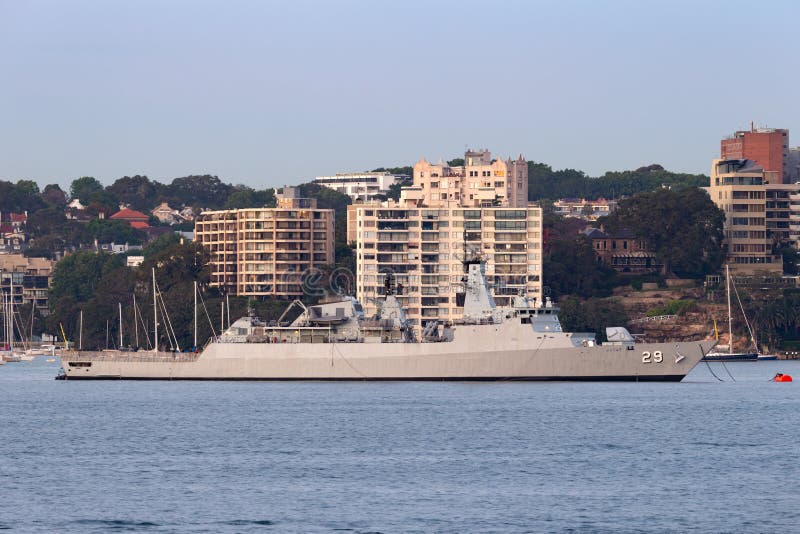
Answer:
(725, 353)
(334, 340)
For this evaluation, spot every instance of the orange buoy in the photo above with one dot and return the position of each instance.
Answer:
(782, 378)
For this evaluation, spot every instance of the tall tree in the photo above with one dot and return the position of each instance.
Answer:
(136, 191)
(683, 227)
(54, 196)
(84, 187)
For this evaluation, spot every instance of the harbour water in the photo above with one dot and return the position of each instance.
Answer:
(701, 455)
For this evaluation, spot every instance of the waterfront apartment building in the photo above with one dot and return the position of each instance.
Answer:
(761, 214)
(422, 238)
(30, 279)
(362, 185)
(266, 252)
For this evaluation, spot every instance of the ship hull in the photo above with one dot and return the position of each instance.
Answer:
(477, 353)
(735, 357)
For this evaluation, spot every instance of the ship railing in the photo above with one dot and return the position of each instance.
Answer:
(653, 318)
(139, 356)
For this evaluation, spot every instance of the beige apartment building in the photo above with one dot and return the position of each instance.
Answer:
(761, 214)
(30, 279)
(422, 238)
(480, 182)
(266, 252)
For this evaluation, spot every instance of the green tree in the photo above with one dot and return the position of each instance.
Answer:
(683, 227)
(24, 196)
(46, 221)
(198, 190)
(83, 188)
(78, 274)
(244, 198)
(27, 187)
(54, 196)
(109, 231)
(571, 268)
(136, 191)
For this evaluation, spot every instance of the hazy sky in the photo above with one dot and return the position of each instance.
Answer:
(266, 93)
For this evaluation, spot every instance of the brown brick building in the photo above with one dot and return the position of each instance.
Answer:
(768, 147)
(623, 252)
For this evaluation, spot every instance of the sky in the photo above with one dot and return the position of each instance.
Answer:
(268, 93)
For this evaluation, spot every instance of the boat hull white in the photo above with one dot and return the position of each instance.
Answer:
(494, 357)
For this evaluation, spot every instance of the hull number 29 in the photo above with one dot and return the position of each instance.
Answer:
(654, 357)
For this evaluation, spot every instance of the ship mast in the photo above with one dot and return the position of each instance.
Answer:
(120, 325)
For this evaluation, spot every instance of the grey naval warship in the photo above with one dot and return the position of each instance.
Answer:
(335, 341)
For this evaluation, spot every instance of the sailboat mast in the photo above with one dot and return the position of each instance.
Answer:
(195, 314)
(730, 318)
(80, 332)
(120, 325)
(11, 314)
(155, 314)
(135, 321)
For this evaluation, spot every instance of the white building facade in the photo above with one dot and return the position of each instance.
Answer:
(362, 185)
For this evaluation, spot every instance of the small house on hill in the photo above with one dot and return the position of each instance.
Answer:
(136, 219)
(623, 252)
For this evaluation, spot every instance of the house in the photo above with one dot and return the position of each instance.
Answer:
(12, 231)
(623, 251)
(581, 208)
(187, 213)
(136, 219)
(165, 214)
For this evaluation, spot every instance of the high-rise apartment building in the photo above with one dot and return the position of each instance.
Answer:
(479, 208)
(768, 147)
(265, 252)
(761, 213)
(480, 182)
(30, 279)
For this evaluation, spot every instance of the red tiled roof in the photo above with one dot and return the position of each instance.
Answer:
(127, 214)
(139, 225)
(18, 217)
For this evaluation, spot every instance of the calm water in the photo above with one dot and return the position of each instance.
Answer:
(389, 457)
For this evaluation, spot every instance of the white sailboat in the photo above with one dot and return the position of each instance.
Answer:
(719, 354)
